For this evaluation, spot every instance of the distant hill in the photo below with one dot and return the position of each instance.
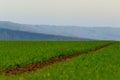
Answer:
(98, 33)
(6, 34)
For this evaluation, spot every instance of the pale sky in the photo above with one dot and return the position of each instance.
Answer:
(62, 12)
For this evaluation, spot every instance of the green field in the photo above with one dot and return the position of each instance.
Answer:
(100, 65)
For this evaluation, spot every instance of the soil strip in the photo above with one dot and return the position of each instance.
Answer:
(33, 67)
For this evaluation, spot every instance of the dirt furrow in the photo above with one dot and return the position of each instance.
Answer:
(34, 67)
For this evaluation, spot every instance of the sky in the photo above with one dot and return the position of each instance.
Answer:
(62, 12)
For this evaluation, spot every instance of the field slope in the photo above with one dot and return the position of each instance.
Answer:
(96, 65)
(21, 53)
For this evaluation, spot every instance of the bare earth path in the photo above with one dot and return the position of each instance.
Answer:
(34, 67)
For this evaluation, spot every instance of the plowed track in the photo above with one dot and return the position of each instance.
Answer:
(33, 67)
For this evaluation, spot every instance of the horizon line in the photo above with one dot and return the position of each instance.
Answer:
(96, 26)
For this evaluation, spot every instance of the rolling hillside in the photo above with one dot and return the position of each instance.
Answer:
(98, 33)
(6, 34)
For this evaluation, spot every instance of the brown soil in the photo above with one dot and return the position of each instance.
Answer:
(34, 67)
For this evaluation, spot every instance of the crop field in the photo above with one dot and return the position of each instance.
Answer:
(103, 64)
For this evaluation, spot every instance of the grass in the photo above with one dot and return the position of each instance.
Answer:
(21, 53)
(99, 65)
